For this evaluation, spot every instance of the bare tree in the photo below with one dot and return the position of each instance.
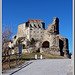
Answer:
(6, 38)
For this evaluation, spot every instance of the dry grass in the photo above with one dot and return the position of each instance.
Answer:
(45, 56)
(5, 65)
(27, 57)
(50, 56)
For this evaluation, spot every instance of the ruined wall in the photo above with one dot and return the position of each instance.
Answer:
(53, 28)
(21, 30)
(36, 29)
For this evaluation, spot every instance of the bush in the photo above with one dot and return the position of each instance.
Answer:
(32, 41)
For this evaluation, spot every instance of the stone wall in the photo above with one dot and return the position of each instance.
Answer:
(21, 30)
(38, 32)
(36, 29)
(29, 50)
(44, 50)
(55, 52)
(50, 50)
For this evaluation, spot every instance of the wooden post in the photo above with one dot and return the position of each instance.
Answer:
(21, 58)
(16, 59)
(9, 61)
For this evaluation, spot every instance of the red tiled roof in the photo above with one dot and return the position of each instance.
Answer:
(34, 20)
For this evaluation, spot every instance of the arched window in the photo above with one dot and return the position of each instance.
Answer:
(30, 25)
(14, 37)
(45, 44)
(35, 26)
(39, 26)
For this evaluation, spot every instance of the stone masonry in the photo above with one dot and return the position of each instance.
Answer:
(47, 40)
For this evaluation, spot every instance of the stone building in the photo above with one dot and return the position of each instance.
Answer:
(46, 40)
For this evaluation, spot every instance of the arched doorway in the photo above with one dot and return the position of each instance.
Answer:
(23, 46)
(45, 44)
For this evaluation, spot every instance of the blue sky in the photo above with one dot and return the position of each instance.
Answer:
(15, 12)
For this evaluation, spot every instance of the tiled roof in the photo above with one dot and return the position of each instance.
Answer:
(34, 20)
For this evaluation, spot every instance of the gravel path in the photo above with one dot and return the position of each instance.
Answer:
(44, 67)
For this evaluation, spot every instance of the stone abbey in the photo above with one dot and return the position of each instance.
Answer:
(46, 40)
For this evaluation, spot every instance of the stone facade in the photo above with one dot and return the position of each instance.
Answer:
(46, 40)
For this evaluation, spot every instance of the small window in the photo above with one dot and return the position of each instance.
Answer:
(30, 25)
(11, 41)
(14, 37)
(23, 46)
(35, 26)
(39, 26)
